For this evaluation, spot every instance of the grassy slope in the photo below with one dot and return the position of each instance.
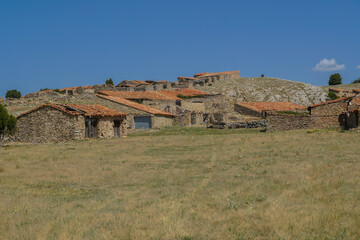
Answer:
(350, 86)
(189, 184)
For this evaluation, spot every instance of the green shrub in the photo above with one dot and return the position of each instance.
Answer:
(44, 89)
(332, 96)
(109, 81)
(13, 94)
(7, 123)
(357, 80)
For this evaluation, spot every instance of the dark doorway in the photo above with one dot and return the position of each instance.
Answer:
(117, 128)
(90, 127)
(352, 120)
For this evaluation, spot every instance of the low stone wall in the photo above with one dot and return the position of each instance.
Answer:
(282, 121)
(234, 125)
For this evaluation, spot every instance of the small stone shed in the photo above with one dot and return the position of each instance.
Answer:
(140, 116)
(329, 113)
(63, 122)
(255, 109)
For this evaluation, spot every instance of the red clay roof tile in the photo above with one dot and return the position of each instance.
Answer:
(328, 102)
(151, 95)
(81, 109)
(135, 105)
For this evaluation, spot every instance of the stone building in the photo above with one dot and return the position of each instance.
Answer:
(342, 112)
(205, 79)
(255, 109)
(71, 91)
(327, 114)
(140, 116)
(64, 122)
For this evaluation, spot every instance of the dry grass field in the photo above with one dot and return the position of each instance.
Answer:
(184, 184)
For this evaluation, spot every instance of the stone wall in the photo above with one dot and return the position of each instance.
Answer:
(282, 121)
(330, 109)
(105, 127)
(50, 125)
(159, 104)
(327, 115)
(159, 121)
(192, 105)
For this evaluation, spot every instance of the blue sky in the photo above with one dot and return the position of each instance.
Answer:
(57, 44)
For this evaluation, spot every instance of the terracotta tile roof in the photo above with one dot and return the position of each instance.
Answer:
(80, 109)
(182, 91)
(215, 73)
(277, 106)
(201, 74)
(151, 95)
(135, 105)
(338, 90)
(356, 100)
(329, 102)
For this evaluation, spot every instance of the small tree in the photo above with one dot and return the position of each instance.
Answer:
(357, 80)
(109, 81)
(7, 123)
(262, 75)
(13, 94)
(335, 79)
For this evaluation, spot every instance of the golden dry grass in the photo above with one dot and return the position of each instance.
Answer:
(188, 184)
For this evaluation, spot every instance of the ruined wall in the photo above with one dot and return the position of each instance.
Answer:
(282, 121)
(50, 125)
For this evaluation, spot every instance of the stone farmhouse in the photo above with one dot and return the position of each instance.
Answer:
(63, 122)
(342, 112)
(139, 116)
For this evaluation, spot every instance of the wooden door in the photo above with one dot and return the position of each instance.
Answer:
(117, 128)
(90, 127)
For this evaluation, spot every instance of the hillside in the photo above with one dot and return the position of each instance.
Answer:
(350, 86)
(261, 89)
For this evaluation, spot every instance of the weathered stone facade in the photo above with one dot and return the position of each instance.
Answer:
(284, 121)
(48, 124)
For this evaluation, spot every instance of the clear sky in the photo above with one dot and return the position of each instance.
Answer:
(55, 44)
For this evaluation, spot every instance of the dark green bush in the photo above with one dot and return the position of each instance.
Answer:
(13, 94)
(332, 96)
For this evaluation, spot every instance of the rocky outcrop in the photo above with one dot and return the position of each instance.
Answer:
(263, 89)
